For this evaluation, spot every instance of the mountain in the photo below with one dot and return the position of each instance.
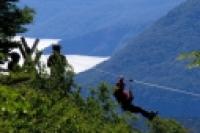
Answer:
(94, 27)
(151, 57)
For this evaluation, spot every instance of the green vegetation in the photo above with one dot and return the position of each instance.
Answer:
(32, 101)
(37, 102)
(166, 126)
(12, 21)
(13, 18)
(192, 57)
(27, 109)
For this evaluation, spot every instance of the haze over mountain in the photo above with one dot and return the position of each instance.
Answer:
(94, 27)
(152, 57)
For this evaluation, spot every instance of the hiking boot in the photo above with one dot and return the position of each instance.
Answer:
(152, 115)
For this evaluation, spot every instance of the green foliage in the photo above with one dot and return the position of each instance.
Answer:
(61, 72)
(61, 81)
(33, 101)
(166, 126)
(103, 95)
(2, 58)
(192, 57)
(12, 21)
(13, 79)
(30, 110)
(13, 18)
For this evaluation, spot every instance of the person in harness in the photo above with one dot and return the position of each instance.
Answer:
(125, 98)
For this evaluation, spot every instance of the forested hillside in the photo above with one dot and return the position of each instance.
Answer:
(94, 27)
(34, 105)
(33, 100)
(152, 57)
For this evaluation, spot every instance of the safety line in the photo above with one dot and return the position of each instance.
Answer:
(153, 85)
(167, 88)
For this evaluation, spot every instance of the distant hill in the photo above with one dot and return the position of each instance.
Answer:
(94, 27)
(152, 56)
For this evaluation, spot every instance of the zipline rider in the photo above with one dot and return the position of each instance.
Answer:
(125, 98)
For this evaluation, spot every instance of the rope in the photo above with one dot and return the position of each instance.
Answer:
(162, 87)
(168, 88)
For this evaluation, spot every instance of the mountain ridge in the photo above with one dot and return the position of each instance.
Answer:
(69, 20)
(152, 57)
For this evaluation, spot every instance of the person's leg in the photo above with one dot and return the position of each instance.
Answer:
(137, 109)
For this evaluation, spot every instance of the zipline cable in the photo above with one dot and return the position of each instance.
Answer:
(167, 88)
(158, 86)
(155, 85)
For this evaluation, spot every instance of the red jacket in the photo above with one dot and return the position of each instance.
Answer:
(123, 96)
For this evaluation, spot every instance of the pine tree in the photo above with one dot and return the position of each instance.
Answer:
(12, 21)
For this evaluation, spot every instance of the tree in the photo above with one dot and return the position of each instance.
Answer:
(192, 57)
(12, 21)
